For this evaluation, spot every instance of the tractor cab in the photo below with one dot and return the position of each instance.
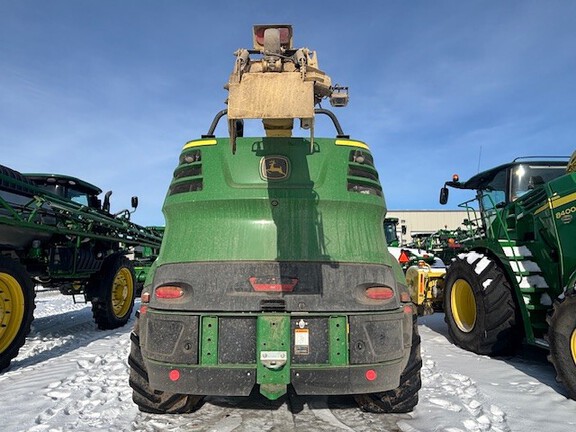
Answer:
(70, 188)
(498, 187)
(390, 225)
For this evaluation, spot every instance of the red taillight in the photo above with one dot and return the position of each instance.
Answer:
(143, 310)
(274, 284)
(379, 293)
(174, 375)
(404, 257)
(371, 375)
(168, 292)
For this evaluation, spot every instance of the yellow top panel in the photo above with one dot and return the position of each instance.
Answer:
(199, 143)
(351, 143)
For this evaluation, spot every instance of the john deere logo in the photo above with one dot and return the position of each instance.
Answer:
(274, 167)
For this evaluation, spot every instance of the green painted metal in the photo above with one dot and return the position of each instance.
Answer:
(390, 225)
(275, 200)
(539, 224)
(35, 220)
(338, 340)
(560, 221)
(273, 354)
(209, 341)
(312, 203)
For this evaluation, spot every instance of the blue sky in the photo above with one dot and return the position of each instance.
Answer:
(110, 90)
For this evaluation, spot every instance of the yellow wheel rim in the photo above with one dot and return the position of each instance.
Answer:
(573, 345)
(463, 305)
(11, 310)
(122, 292)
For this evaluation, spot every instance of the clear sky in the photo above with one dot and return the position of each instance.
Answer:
(110, 90)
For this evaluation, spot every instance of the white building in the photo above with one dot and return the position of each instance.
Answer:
(423, 222)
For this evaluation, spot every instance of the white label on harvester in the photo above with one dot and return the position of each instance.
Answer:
(301, 341)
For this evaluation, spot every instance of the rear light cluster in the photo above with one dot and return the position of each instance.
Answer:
(379, 293)
(362, 176)
(188, 174)
(273, 284)
(168, 292)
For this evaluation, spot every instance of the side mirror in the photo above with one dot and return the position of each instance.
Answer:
(134, 202)
(444, 195)
(106, 205)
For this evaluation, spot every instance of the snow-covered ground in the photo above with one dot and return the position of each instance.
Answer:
(72, 377)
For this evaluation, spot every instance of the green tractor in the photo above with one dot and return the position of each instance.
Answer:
(56, 232)
(516, 279)
(273, 271)
(445, 243)
(391, 232)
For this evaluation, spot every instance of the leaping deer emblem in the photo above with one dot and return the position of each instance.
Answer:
(273, 168)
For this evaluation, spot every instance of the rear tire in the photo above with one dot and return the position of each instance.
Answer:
(562, 340)
(112, 292)
(16, 309)
(479, 306)
(404, 398)
(14, 175)
(148, 399)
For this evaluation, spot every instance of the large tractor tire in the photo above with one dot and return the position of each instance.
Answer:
(148, 399)
(16, 176)
(404, 398)
(562, 340)
(16, 309)
(112, 292)
(479, 306)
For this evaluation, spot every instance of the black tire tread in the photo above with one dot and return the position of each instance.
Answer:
(499, 333)
(562, 322)
(99, 289)
(14, 175)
